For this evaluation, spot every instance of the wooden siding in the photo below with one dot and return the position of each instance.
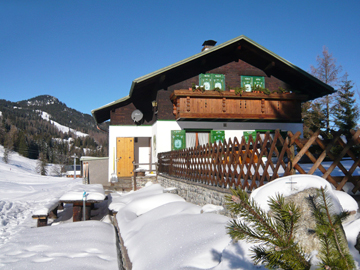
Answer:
(226, 105)
(142, 101)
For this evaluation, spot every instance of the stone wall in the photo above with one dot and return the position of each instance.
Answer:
(195, 193)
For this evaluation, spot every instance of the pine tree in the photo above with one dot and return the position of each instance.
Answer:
(41, 164)
(313, 117)
(346, 112)
(9, 143)
(7, 154)
(22, 145)
(274, 234)
(334, 253)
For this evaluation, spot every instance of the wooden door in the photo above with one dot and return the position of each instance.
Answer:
(124, 156)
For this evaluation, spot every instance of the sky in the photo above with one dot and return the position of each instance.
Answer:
(174, 234)
(87, 53)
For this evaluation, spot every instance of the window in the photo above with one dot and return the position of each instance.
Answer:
(181, 139)
(194, 138)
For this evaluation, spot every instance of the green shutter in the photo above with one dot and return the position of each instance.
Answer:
(248, 133)
(205, 80)
(217, 135)
(211, 81)
(250, 81)
(218, 81)
(178, 139)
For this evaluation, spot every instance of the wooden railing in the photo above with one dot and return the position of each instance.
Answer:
(135, 167)
(248, 165)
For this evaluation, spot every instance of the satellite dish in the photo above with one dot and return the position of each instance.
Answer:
(136, 115)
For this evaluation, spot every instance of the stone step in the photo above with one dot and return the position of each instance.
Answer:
(124, 184)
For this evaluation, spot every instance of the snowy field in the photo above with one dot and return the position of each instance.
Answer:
(160, 230)
(68, 245)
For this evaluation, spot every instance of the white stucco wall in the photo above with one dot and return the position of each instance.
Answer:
(159, 134)
(124, 131)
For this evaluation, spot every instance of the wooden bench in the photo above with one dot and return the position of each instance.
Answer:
(78, 208)
(49, 210)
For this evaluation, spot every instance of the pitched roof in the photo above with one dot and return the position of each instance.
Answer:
(238, 48)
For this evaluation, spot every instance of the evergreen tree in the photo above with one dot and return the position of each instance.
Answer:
(334, 253)
(22, 146)
(275, 235)
(6, 156)
(9, 143)
(313, 117)
(346, 112)
(41, 164)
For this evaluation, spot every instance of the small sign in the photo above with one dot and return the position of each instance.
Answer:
(249, 82)
(178, 140)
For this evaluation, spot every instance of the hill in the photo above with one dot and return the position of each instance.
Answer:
(45, 126)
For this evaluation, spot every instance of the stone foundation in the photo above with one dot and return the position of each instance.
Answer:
(195, 193)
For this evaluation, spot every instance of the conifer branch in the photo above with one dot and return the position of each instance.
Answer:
(275, 233)
(339, 248)
(333, 253)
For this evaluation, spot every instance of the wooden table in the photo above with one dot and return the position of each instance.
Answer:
(94, 194)
(78, 208)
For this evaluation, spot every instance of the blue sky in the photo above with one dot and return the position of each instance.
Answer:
(87, 53)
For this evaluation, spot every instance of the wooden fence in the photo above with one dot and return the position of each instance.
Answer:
(248, 165)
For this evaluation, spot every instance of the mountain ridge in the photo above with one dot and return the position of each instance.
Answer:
(44, 124)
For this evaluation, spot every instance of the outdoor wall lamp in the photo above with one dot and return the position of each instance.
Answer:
(154, 105)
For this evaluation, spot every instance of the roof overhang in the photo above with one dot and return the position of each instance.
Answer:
(241, 48)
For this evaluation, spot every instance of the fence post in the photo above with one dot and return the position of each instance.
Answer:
(171, 163)
(291, 157)
(157, 171)
(134, 172)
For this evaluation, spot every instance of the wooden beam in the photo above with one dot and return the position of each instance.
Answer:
(269, 67)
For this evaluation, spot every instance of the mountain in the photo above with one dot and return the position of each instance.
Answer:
(44, 124)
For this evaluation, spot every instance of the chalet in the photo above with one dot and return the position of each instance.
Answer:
(232, 89)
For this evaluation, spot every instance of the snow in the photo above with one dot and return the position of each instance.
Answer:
(80, 245)
(210, 208)
(94, 192)
(46, 208)
(64, 129)
(293, 184)
(68, 245)
(160, 230)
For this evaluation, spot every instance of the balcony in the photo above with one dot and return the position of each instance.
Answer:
(226, 105)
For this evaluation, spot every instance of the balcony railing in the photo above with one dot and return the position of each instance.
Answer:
(228, 105)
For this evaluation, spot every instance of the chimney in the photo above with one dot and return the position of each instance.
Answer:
(208, 44)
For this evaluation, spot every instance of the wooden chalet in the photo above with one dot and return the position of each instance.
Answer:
(232, 89)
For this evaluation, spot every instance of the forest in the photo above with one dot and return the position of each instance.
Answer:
(24, 129)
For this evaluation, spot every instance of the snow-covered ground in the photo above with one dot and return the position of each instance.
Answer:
(160, 230)
(68, 245)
